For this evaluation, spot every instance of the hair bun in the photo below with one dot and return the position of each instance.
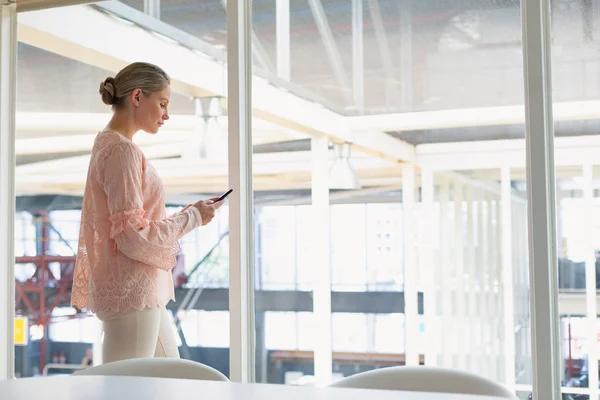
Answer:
(108, 91)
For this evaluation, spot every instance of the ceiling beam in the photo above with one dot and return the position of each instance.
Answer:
(266, 184)
(266, 163)
(51, 133)
(469, 117)
(495, 154)
(65, 32)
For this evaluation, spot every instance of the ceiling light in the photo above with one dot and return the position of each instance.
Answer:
(342, 175)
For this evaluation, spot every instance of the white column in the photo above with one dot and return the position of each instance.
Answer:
(498, 345)
(471, 269)
(8, 78)
(541, 195)
(460, 275)
(489, 310)
(590, 277)
(282, 23)
(427, 266)
(447, 326)
(507, 278)
(411, 280)
(241, 221)
(481, 271)
(322, 258)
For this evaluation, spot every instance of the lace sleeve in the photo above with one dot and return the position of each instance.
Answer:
(152, 242)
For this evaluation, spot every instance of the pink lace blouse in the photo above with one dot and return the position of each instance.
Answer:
(127, 245)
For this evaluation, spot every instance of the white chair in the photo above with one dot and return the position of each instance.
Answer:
(425, 379)
(156, 368)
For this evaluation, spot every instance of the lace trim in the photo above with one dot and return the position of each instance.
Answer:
(137, 218)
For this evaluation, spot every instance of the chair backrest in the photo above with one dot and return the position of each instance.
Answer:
(156, 368)
(425, 379)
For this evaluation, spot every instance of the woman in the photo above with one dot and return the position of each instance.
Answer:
(127, 245)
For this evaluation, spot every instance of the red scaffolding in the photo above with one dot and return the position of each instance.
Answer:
(45, 289)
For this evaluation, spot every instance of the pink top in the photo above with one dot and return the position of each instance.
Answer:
(127, 245)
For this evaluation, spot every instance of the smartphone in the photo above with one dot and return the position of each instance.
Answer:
(224, 195)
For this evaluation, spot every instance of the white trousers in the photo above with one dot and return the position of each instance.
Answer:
(138, 334)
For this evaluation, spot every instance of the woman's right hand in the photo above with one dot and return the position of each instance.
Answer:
(207, 209)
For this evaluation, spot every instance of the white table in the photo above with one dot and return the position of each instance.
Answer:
(126, 388)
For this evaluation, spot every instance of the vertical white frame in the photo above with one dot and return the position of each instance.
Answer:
(481, 304)
(322, 258)
(498, 345)
(489, 296)
(459, 268)
(541, 198)
(590, 277)
(411, 276)
(152, 8)
(447, 324)
(470, 262)
(8, 78)
(427, 265)
(507, 277)
(241, 218)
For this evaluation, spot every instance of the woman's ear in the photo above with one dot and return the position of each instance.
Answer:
(136, 94)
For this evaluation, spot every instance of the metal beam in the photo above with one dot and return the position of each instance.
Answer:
(297, 301)
(8, 79)
(406, 55)
(282, 21)
(217, 299)
(386, 54)
(331, 48)
(358, 56)
(258, 50)
(261, 54)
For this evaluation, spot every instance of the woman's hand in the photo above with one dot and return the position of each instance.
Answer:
(208, 208)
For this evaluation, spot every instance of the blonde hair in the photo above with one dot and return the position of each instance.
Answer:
(139, 75)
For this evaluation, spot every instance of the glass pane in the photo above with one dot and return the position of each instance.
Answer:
(575, 70)
(59, 114)
(436, 85)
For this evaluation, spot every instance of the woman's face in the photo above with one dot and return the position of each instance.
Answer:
(152, 111)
